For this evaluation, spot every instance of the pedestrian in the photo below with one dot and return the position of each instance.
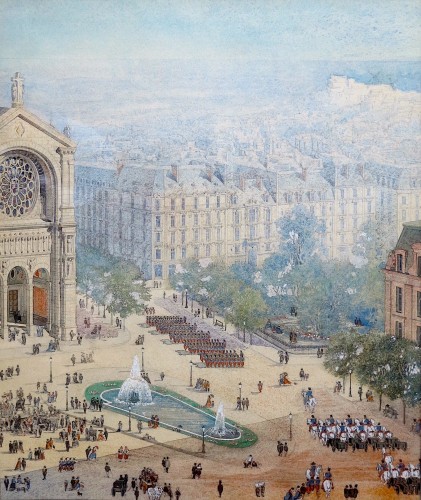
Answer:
(260, 386)
(355, 491)
(166, 464)
(243, 403)
(87, 451)
(1, 439)
(120, 426)
(66, 484)
(6, 483)
(106, 434)
(177, 493)
(194, 470)
(162, 375)
(286, 357)
(67, 445)
(346, 492)
(23, 464)
(247, 403)
(285, 449)
(44, 473)
(107, 469)
(360, 393)
(220, 488)
(136, 493)
(280, 448)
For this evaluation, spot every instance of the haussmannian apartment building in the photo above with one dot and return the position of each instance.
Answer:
(403, 285)
(161, 214)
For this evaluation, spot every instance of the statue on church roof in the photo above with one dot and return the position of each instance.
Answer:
(17, 90)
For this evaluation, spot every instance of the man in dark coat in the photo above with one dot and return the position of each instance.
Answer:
(280, 448)
(220, 488)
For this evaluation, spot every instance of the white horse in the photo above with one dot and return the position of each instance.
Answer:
(327, 487)
(155, 493)
(310, 404)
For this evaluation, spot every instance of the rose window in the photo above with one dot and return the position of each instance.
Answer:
(18, 186)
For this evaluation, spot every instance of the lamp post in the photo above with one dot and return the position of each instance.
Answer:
(191, 373)
(185, 293)
(203, 439)
(240, 385)
(51, 369)
(130, 417)
(191, 301)
(67, 397)
(350, 389)
(143, 361)
(244, 331)
(290, 425)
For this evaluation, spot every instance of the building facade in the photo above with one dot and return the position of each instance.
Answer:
(37, 222)
(403, 285)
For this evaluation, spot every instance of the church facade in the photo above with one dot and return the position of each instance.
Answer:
(37, 222)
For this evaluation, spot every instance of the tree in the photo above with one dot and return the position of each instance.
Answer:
(343, 354)
(300, 233)
(248, 310)
(125, 290)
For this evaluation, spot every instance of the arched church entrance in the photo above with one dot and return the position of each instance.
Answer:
(17, 296)
(41, 293)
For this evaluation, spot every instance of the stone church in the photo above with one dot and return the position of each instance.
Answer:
(37, 222)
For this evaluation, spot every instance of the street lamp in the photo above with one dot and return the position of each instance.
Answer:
(191, 373)
(51, 369)
(185, 293)
(203, 439)
(143, 361)
(130, 417)
(350, 392)
(67, 397)
(244, 331)
(240, 385)
(290, 425)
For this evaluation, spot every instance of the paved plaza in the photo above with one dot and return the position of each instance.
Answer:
(268, 416)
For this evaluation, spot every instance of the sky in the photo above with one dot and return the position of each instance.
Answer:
(100, 31)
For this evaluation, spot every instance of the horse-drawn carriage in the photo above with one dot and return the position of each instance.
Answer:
(340, 444)
(148, 479)
(359, 442)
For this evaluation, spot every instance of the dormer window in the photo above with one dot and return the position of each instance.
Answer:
(399, 263)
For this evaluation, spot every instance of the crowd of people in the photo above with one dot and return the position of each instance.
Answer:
(202, 385)
(399, 476)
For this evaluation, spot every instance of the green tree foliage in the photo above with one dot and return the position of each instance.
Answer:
(344, 353)
(126, 292)
(248, 310)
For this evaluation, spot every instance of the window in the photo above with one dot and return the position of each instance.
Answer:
(237, 217)
(218, 216)
(173, 238)
(419, 336)
(219, 249)
(399, 263)
(207, 250)
(172, 220)
(196, 219)
(419, 265)
(207, 201)
(404, 215)
(158, 221)
(355, 208)
(342, 194)
(323, 210)
(267, 247)
(398, 330)
(403, 200)
(252, 231)
(183, 252)
(267, 230)
(218, 234)
(158, 237)
(183, 237)
(342, 209)
(354, 193)
(183, 220)
(196, 235)
(196, 252)
(208, 219)
(252, 215)
(207, 234)
(342, 224)
(196, 203)
(268, 215)
(218, 202)
(237, 249)
(157, 253)
(172, 253)
(183, 203)
(157, 205)
(369, 207)
(399, 296)
(355, 223)
(236, 233)
(419, 304)
(172, 204)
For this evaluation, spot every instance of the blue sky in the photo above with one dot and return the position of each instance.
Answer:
(104, 30)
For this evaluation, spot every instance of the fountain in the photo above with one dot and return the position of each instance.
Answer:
(220, 430)
(135, 390)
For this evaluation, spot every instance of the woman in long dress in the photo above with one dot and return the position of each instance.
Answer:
(126, 453)
(120, 454)
(92, 454)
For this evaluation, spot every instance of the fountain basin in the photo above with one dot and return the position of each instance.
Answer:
(173, 413)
